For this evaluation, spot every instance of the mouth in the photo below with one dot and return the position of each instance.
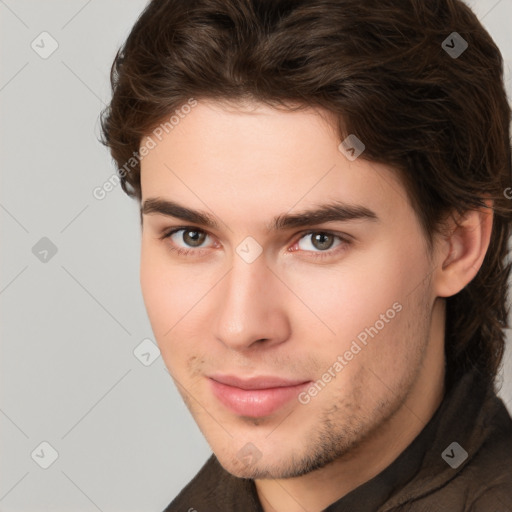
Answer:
(256, 397)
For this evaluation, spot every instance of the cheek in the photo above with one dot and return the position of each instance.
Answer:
(348, 300)
(161, 289)
(152, 286)
(172, 295)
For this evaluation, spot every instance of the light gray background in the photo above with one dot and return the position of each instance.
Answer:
(69, 376)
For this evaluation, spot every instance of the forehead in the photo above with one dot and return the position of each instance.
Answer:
(257, 161)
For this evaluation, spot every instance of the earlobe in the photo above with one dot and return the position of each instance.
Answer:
(463, 250)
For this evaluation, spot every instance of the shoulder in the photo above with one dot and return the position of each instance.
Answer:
(194, 492)
(213, 489)
(488, 477)
(481, 482)
(494, 498)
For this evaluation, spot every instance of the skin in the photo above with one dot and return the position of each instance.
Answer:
(290, 314)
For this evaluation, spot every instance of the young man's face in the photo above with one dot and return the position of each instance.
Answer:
(345, 303)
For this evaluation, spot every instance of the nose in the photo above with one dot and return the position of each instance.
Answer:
(251, 307)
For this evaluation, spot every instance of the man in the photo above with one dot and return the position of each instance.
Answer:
(324, 238)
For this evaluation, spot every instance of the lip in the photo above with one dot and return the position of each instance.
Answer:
(255, 397)
(262, 382)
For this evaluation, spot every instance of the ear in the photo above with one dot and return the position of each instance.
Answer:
(462, 250)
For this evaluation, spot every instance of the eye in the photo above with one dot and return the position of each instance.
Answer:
(321, 244)
(191, 237)
(318, 240)
(186, 240)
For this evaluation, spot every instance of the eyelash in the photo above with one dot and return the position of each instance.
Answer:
(345, 241)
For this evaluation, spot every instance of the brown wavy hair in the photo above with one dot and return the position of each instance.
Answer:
(380, 67)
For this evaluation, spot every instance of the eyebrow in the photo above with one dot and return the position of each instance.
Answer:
(332, 212)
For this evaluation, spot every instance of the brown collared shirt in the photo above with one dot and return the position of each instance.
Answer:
(460, 462)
